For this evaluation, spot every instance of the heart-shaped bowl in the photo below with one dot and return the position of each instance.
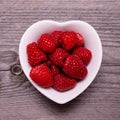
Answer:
(92, 42)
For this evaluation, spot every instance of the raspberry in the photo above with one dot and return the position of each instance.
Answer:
(56, 37)
(42, 75)
(63, 83)
(46, 43)
(58, 57)
(35, 55)
(54, 70)
(74, 67)
(80, 40)
(84, 54)
(68, 40)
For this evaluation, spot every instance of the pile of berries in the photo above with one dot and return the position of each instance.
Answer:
(58, 60)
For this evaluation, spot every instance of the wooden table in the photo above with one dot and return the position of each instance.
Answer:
(19, 100)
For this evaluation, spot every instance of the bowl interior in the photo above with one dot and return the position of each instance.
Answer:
(92, 42)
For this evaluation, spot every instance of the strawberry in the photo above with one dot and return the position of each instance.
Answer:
(74, 67)
(54, 70)
(46, 43)
(68, 40)
(35, 55)
(58, 57)
(80, 40)
(56, 36)
(84, 54)
(42, 75)
(63, 83)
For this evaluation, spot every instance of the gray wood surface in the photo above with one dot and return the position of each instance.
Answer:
(19, 100)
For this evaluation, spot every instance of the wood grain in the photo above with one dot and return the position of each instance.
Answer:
(19, 100)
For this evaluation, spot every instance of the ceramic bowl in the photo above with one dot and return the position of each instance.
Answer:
(92, 42)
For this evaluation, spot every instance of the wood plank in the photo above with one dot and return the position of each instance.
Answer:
(21, 97)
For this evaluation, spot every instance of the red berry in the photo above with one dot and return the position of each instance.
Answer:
(84, 54)
(54, 70)
(42, 75)
(80, 40)
(74, 67)
(63, 83)
(68, 40)
(35, 55)
(56, 37)
(58, 57)
(46, 43)
(48, 63)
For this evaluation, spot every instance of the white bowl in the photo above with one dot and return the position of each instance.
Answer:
(92, 42)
